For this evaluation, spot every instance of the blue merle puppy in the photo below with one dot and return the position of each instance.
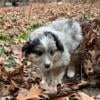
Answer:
(50, 48)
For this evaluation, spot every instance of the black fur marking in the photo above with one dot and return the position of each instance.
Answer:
(30, 46)
(56, 39)
(26, 48)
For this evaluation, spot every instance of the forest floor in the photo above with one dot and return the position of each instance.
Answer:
(19, 80)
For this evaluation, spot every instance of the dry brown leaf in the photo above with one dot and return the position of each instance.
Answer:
(32, 94)
(22, 94)
(93, 54)
(84, 96)
(17, 54)
(63, 98)
(14, 84)
(88, 67)
(4, 90)
(2, 60)
(80, 96)
(21, 97)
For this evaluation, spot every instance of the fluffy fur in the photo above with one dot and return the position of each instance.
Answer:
(50, 48)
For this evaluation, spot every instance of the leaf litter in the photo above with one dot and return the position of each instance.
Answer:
(20, 80)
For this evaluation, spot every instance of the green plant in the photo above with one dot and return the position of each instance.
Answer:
(22, 37)
(2, 51)
(5, 37)
(34, 26)
(1, 20)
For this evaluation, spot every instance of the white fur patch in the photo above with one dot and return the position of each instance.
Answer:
(44, 41)
(47, 42)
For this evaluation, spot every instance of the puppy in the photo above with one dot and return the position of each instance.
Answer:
(50, 47)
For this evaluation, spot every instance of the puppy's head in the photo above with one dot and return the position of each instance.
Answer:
(44, 51)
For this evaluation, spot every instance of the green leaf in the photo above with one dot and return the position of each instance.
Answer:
(22, 37)
(34, 26)
(5, 37)
(2, 52)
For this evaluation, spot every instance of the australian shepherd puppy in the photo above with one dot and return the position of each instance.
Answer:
(50, 48)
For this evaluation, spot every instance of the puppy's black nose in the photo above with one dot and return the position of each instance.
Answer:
(47, 65)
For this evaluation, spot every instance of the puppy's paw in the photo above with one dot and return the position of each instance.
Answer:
(70, 74)
(71, 71)
(48, 88)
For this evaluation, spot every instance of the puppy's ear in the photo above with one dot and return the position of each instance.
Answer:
(57, 41)
(26, 49)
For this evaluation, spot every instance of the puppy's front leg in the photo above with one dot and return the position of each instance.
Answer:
(57, 79)
(48, 85)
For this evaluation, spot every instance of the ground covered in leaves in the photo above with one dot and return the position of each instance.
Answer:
(20, 80)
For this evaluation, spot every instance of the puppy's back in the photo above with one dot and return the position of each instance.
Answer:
(71, 30)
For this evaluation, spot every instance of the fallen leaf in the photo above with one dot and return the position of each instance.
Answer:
(34, 94)
(84, 96)
(2, 60)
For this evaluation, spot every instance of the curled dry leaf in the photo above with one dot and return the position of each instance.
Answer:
(84, 96)
(88, 67)
(34, 94)
(2, 60)
(80, 96)
(22, 94)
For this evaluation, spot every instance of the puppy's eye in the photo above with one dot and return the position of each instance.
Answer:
(52, 52)
(39, 53)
